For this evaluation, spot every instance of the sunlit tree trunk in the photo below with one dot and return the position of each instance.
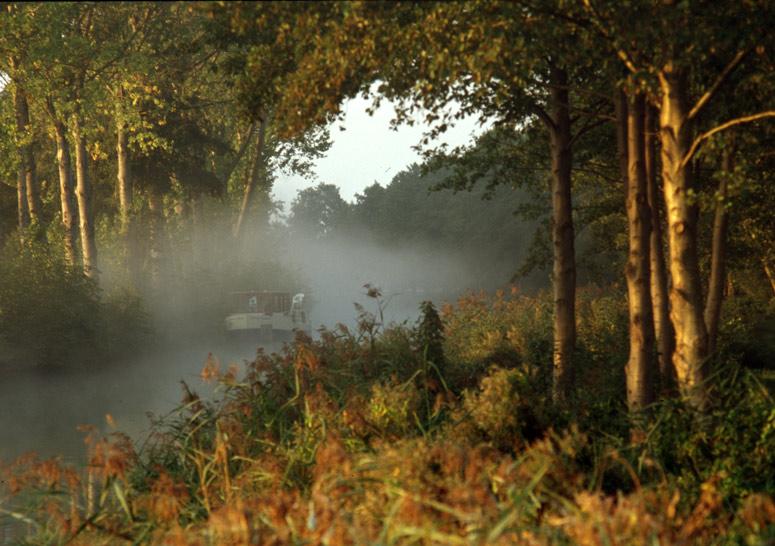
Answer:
(663, 329)
(686, 305)
(718, 255)
(27, 156)
(83, 195)
(640, 365)
(123, 178)
(256, 169)
(769, 271)
(66, 195)
(564, 269)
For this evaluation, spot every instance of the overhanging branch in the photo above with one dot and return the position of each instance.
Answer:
(724, 126)
(704, 99)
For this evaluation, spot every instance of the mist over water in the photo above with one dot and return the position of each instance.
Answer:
(40, 409)
(336, 271)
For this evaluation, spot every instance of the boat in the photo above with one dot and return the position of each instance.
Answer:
(267, 315)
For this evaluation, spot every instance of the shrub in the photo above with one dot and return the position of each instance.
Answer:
(57, 316)
(393, 409)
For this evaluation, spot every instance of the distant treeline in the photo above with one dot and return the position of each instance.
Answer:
(407, 212)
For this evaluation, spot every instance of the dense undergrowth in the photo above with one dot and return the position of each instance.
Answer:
(437, 433)
(51, 315)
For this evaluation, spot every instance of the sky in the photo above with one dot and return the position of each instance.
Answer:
(368, 151)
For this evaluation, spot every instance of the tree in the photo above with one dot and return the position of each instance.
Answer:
(640, 365)
(682, 47)
(317, 212)
(495, 60)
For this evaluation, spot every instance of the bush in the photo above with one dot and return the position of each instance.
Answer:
(56, 316)
(501, 409)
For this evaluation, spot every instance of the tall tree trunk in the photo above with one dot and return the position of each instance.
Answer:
(686, 305)
(156, 236)
(23, 213)
(256, 169)
(83, 194)
(26, 155)
(718, 255)
(620, 107)
(640, 365)
(663, 329)
(123, 178)
(564, 270)
(66, 195)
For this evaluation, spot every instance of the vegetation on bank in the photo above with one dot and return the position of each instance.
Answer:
(642, 133)
(443, 432)
(51, 315)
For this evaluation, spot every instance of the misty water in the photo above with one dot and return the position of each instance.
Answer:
(42, 408)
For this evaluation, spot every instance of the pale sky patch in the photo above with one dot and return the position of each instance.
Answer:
(368, 151)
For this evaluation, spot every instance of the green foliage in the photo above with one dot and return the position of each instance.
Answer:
(430, 336)
(502, 409)
(393, 408)
(55, 315)
(317, 212)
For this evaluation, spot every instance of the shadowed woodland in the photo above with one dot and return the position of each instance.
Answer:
(593, 363)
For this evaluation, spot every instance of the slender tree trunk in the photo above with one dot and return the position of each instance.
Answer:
(83, 194)
(564, 270)
(125, 189)
(66, 195)
(718, 255)
(23, 213)
(155, 207)
(27, 156)
(663, 329)
(256, 170)
(686, 306)
(769, 271)
(123, 178)
(640, 366)
(729, 287)
(242, 149)
(620, 107)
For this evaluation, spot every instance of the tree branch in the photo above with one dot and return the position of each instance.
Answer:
(587, 127)
(623, 56)
(734, 63)
(543, 116)
(241, 151)
(726, 125)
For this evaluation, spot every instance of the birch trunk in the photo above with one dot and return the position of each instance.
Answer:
(686, 306)
(663, 329)
(83, 195)
(640, 365)
(27, 156)
(123, 178)
(66, 194)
